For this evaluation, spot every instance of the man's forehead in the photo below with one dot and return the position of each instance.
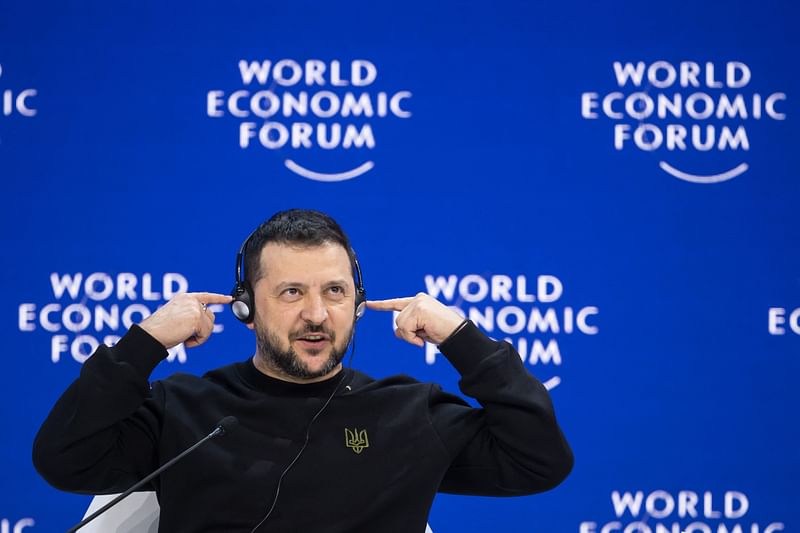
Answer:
(289, 258)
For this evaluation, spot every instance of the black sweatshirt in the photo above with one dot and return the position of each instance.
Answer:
(375, 457)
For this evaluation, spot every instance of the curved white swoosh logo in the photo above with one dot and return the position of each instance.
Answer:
(319, 176)
(552, 383)
(716, 178)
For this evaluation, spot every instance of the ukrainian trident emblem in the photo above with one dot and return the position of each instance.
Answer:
(356, 440)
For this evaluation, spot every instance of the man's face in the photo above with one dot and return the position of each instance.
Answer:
(304, 310)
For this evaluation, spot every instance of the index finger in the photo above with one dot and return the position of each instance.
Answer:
(392, 304)
(212, 297)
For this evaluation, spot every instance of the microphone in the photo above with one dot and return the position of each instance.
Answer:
(222, 428)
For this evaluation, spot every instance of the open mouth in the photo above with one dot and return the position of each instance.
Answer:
(314, 338)
(312, 341)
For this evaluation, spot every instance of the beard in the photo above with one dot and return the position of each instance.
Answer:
(286, 361)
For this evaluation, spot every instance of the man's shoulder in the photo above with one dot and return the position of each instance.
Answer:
(404, 389)
(395, 383)
(222, 376)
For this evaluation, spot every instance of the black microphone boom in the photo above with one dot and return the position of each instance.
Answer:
(222, 428)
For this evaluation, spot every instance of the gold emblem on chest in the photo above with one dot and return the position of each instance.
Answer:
(356, 440)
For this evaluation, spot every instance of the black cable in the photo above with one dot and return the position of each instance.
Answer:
(308, 432)
(352, 350)
(299, 453)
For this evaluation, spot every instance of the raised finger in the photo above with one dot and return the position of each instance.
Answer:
(392, 304)
(211, 297)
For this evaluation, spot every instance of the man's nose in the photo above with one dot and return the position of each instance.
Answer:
(314, 309)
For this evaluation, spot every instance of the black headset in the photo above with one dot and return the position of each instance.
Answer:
(242, 304)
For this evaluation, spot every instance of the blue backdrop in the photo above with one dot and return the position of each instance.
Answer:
(610, 186)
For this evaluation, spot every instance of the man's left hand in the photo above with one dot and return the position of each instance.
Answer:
(422, 318)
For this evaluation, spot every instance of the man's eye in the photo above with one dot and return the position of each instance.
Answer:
(291, 291)
(337, 290)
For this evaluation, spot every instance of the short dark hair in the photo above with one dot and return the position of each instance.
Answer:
(300, 227)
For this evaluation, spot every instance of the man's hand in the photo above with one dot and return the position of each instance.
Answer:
(185, 319)
(422, 318)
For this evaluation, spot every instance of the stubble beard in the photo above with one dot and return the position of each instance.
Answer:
(269, 350)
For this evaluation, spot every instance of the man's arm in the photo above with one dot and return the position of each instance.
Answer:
(102, 434)
(513, 445)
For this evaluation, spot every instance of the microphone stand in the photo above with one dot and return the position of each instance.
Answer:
(218, 431)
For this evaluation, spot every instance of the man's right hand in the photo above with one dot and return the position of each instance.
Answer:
(184, 319)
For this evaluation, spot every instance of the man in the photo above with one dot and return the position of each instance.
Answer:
(319, 447)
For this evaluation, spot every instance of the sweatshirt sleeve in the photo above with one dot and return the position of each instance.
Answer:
(513, 444)
(101, 436)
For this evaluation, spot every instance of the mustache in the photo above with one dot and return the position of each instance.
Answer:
(313, 328)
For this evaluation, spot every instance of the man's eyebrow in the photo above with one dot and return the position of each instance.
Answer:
(284, 284)
(340, 281)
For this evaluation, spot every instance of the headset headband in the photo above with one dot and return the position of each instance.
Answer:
(242, 304)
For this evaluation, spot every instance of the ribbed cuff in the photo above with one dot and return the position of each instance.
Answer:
(140, 350)
(467, 348)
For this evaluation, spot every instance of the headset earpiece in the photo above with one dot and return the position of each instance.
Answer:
(242, 304)
(361, 293)
(361, 302)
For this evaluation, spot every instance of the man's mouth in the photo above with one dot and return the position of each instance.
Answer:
(312, 340)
